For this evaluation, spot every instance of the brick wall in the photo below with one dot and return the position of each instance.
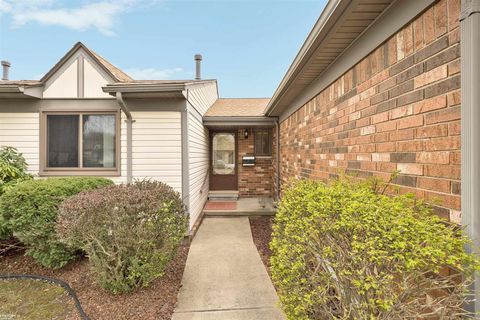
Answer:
(397, 109)
(253, 181)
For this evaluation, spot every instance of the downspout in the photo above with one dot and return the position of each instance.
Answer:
(470, 110)
(129, 122)
(277, 159)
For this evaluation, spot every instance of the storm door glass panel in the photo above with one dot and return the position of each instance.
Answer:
(99, 141)
(62, 137)
(223, 148)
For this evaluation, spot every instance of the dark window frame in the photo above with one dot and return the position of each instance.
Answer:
(80, 170)
(262, 153)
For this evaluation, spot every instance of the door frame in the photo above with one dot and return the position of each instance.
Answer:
(213, 178)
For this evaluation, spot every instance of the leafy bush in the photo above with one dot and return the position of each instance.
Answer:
(13, 168)
(346, 251)
(30, 210)
(129, 232)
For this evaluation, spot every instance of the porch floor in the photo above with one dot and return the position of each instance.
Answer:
(261, 206)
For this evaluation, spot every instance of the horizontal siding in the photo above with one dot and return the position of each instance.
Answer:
(156, 150)
(198, 154)
(203, 97)
(21, 130)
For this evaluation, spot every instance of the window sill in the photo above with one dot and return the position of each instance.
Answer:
(79, 173)
(263, 157)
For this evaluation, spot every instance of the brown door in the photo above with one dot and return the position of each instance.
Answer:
(223, 160)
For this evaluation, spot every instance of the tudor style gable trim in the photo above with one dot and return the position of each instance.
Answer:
(80, 74)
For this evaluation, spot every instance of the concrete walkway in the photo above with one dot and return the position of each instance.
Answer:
(224, 277)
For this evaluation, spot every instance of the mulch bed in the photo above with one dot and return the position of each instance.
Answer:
(262, 234)
(157, 301)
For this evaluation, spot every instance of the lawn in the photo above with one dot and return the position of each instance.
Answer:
(34, 299)
(28, 299)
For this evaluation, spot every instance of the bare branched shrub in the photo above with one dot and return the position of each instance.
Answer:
(346, 251)
(129, 232)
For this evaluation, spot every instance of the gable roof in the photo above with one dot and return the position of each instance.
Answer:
(240, 107)
(115, 73)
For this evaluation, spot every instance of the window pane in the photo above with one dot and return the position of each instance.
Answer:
(62, 141)
(223, 153)
(99, 141)
(262, 143)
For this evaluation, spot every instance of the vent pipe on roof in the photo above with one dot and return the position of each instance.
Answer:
(198, 67)
(6, 67)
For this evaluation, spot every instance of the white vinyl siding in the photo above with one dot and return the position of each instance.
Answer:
(201, 98)
(66, 85)
(198, 149)
(21, 130)
(156, 148)
(93, 81)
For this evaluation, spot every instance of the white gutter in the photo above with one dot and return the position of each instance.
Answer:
(152, 87)
(129, 122)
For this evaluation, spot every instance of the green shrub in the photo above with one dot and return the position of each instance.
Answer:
(13, 168)
(346, 251)
(129, 232)
(30, 210)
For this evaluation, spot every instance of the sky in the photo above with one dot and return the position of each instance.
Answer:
(247, 45)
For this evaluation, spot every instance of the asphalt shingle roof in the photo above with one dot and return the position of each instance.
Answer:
(244, 107)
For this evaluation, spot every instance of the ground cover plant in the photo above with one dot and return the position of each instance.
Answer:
(345, 250)
(33, 299)
(129, 232)
(155, 302)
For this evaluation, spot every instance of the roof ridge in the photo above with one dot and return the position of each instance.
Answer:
(113, 71)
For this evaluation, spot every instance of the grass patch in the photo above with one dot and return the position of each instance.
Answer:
(33, 299)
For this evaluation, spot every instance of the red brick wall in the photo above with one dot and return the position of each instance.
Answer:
(397, 109)
(253, 181)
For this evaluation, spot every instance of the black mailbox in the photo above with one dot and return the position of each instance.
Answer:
(248, 161)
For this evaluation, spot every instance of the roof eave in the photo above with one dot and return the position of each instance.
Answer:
(239, 121)
(333, 9)
(20, 91)
(143, 88)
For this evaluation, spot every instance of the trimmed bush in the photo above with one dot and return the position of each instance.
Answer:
(30, 210)
(129, 232)
(346, 251)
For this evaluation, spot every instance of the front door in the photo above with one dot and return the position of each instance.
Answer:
(223, 161)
